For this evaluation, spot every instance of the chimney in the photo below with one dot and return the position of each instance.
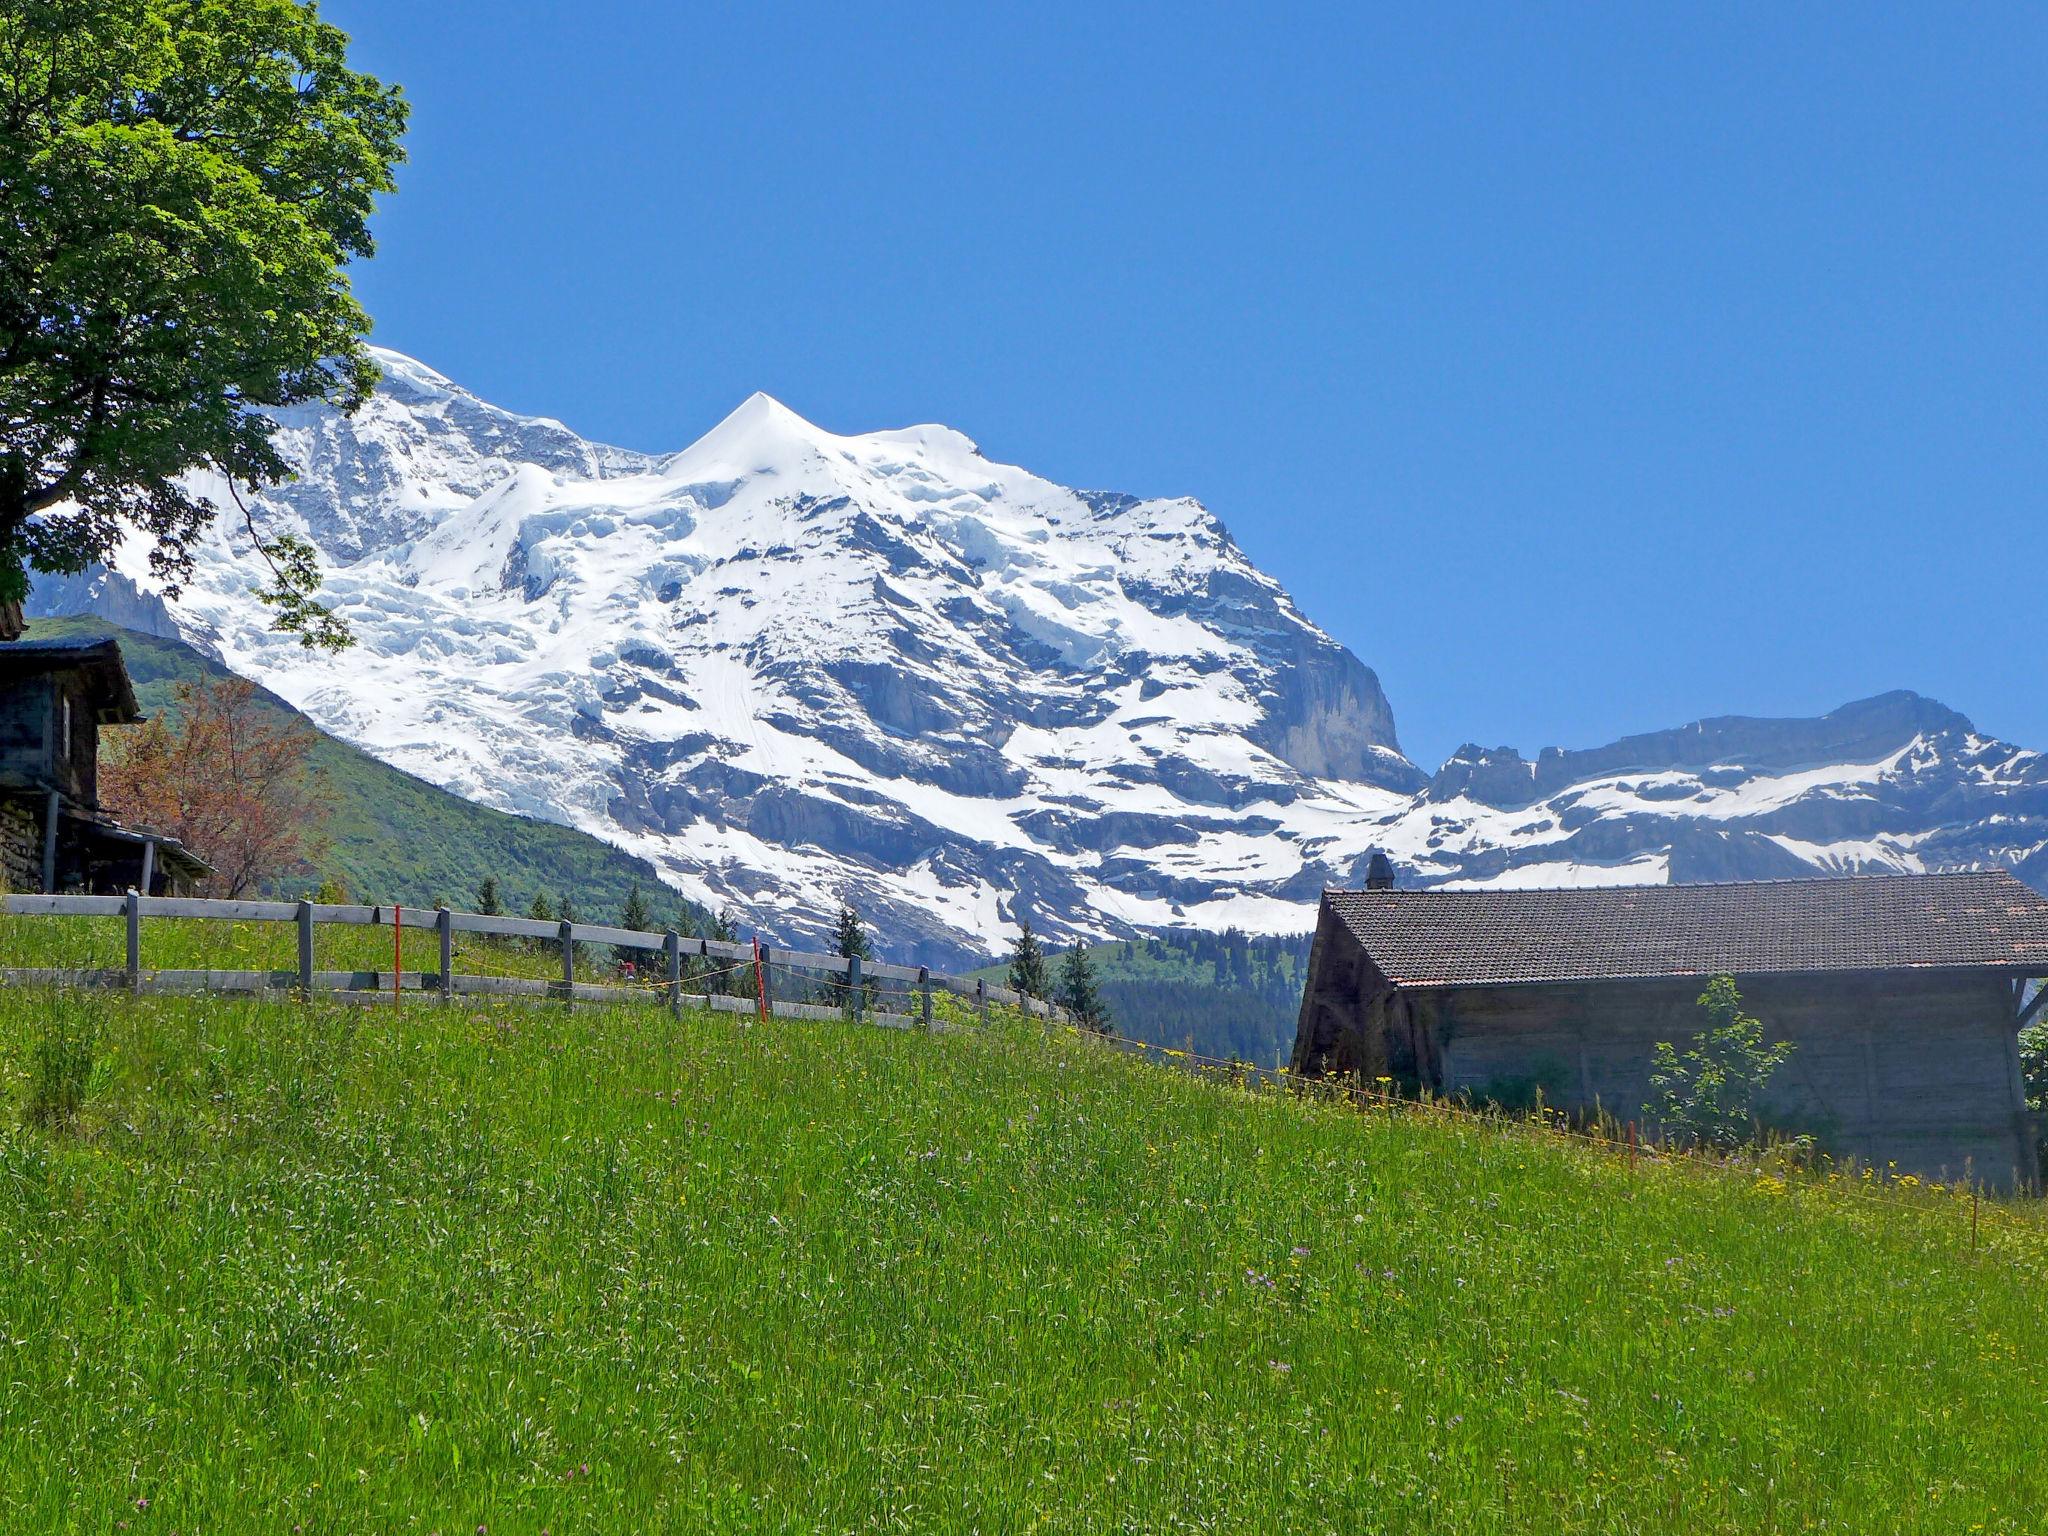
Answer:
(1379, 874)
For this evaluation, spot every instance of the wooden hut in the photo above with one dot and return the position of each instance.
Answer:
(54, 834)
(1903, 995)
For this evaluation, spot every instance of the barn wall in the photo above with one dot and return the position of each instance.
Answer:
(26, 730)
(1917, 1070)
(1343, 1024)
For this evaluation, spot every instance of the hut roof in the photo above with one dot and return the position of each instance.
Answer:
(98, 658)
(1768, 927)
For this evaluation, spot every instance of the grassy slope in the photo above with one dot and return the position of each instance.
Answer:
(601, 1270)
(399, 838)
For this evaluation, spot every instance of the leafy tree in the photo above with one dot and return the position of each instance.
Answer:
(181, 187)
(1708, 1096)
(2034, 1064)
(231, 779)
(1027, 963)
(487, 897)
(1078, 993)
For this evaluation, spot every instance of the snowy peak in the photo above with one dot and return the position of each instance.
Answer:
(791, 666)
(1867, 731)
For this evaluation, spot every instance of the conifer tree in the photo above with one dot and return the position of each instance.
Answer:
(542, 911)
(487, 897)
(634, 913)
(635, 916)
(735, 983)
(1027, 963)
(852, 939)
(1078, 993)
(853, 943)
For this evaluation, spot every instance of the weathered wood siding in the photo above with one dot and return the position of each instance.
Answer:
(1916, 1070)
(27, 732)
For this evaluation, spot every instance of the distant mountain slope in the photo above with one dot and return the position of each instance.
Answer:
(1230, 995)
(398, 838)
(1895, 783)
(790, 667)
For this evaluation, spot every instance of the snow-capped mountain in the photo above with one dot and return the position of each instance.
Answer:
(792, 667)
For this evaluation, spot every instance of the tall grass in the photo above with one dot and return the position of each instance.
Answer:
(439, 1268)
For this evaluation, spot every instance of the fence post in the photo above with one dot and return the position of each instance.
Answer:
(672, 950)
(568, 962)
(853, 988)
(924, 993)
(764, 994)
(133, 910)
(306, 950)
(981, 998)
(444, 920)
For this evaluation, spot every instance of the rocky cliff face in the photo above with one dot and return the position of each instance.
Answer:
(791, 667)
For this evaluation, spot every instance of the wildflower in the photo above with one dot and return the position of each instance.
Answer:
(1280, 1366)
(1300, 1252)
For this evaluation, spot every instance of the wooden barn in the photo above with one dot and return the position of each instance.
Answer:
(54, 835)
(1903, 994)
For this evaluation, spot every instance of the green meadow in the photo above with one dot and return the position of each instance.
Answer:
(335, 1268)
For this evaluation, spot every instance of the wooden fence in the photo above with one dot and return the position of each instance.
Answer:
(689, 967)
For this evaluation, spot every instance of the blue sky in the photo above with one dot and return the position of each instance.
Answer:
(1586, 369)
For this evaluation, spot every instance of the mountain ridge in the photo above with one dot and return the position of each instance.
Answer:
(791, 667)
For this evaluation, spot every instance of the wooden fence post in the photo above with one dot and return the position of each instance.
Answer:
(305, 920)
(924, 993)
(672, 951)
(444, 920)
(852, 1008)
(764, 998)
(568, 962)
(133, 911)
(981, 998)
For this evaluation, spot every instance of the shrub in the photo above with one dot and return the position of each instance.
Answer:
(1708, 1096)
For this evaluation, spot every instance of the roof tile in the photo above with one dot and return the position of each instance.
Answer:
(1862, 923)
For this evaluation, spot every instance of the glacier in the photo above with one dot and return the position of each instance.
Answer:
(793, 668)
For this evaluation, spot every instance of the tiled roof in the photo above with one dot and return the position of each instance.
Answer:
(1864, 923)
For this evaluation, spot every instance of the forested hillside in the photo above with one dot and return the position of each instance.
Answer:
(1227, 994)
(394, 837)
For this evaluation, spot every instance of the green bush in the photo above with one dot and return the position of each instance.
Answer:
(1708, 1097)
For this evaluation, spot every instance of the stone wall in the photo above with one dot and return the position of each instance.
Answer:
(21, 847)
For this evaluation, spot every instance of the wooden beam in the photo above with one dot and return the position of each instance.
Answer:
(2027, 1013)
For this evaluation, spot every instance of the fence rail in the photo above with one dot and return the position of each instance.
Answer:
(857, 983)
